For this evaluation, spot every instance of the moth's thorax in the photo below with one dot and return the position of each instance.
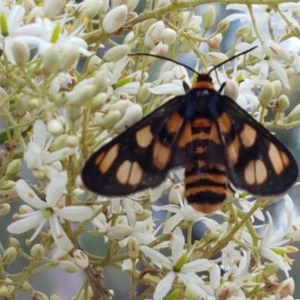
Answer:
(203, 84)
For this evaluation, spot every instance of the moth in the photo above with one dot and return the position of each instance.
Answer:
(217, 142)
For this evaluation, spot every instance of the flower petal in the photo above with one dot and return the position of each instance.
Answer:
(164, 286)
(55, 188)
(28, 195)
(26, 224)
(60, 237)
(75, 213)
(156, 257)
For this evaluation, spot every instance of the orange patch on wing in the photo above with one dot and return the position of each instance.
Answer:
(248, 136)
(106, 159)
(232, 152)
(255, 172)
(174, 122)
(144, 136)
(224, 123)
(129, 173)
(161, 155)
(278, 159)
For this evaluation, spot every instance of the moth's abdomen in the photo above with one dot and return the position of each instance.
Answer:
(206, 180)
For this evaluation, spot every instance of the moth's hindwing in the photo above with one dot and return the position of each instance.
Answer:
(256, 160)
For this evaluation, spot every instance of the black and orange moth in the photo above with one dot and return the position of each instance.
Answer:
(212, 137)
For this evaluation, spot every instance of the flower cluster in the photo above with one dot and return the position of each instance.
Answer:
(69, 84)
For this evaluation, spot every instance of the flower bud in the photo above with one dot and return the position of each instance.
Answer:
(90, 8)
(132, 114)
(36, 295)
(4, 209)
(115, 19)
(277, 85)
(192, 292)
(243, 32)
(34, 103)
(37, 251)
(68, 58)
(144, 92)
(160, 49)
(72, 141)
(55, 127)
(38, 174)
(26, 287)
(81, 259)
(99, 100)
(110, 119)
(13, 167)
(81, 94)
(52, 8)
(116, 53)
(169, 36)
(231, 89)
(100, 82)
(93, 63)
(283, 103)
(133, 248)
(266, 94)
(5, 292)
(50, 60)
(13, 242)
(294, 115)
(25, 209)
(286, 288)
(153, 35)
(223, 26)
(10, 254)
(209, 17)
(7, 185)
(20, 52)
(215, 41)
(59, 143)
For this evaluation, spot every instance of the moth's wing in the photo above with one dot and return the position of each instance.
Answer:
(142, 155)
(256, 160)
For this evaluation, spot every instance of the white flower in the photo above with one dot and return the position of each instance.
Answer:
(184, 212)
(292, 230)
(113, 74)
(37, 154)
(271, 242)
(49, 211)
(171, 84)
(13, 28)
(55, 34)
(177, 266)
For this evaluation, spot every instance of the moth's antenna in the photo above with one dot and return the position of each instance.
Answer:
(188, 67)
(166, 58)
(230, 59)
